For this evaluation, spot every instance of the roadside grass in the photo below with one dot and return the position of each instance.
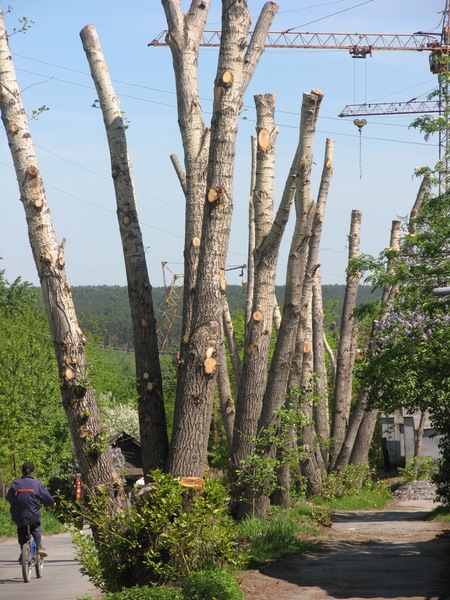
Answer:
(50, 524)
(373, 498)
(440, 514)
(288, 531)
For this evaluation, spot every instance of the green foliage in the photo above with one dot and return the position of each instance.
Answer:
(50, 523)
(35, 114)
(259, 470)
(106, 310)
(164, 538)
(278, 536)
(30, 397)
(146, 593)
(212, 584)
(423, 467)
(348, 482)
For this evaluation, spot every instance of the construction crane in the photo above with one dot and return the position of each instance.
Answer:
(172, 299)
(359, 45)
(387, 108)
(362, 45)
(438, 66)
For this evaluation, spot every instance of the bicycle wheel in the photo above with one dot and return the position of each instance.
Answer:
(39, 565)
(26, 562)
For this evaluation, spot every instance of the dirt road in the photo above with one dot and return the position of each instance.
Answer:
(390, 554)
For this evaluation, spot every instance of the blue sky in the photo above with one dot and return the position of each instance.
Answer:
(372, 172)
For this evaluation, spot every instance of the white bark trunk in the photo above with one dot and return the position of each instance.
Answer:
(78, 399)
(346, 350)
(205, 285)
(152, 420)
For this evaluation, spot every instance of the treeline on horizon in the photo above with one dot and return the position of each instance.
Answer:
(105, 309)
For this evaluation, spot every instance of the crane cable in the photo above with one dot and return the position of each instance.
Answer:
(360, 122)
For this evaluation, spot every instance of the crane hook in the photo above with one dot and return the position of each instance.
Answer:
(360, 123)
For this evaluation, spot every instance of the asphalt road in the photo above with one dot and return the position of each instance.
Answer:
(61, 580)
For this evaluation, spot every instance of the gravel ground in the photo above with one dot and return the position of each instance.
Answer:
(422, 489)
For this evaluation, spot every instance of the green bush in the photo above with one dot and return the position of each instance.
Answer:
(212, 584)
(168, 535)
(147, 593)
(348, 482)
(424, 467)
(50, 524)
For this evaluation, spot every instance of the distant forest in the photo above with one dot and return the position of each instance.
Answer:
(105, 309)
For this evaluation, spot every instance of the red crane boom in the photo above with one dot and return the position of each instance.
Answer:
(359, 45)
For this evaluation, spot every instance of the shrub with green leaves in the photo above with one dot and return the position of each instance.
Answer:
(171, 533)
(212, 584)
(147, 593)
(347, 482)
(424, 467)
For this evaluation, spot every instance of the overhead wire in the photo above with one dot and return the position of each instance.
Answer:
(169, 105)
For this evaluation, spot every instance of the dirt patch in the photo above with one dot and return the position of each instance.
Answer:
(391, 554)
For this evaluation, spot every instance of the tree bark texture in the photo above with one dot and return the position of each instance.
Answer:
(152, 419)
(212, 205)
(88, 436)
(346, 349)
(360, 412)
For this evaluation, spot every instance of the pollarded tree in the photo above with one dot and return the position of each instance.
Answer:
(209, 165)
(78, 399)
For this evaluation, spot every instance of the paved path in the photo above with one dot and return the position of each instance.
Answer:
(62, 579)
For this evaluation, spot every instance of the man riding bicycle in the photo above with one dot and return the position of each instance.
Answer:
(25, 497)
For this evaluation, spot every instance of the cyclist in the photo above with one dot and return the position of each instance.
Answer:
(25, 497)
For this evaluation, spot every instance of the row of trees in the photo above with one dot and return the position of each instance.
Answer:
(270, 382)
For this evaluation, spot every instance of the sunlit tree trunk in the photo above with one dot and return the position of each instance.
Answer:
(209, 207)
(346, 350)
(88, 436)
(152, 419)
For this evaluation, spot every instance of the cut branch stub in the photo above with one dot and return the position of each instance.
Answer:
(214, 194)
(227, 79)
(209, 365)
(69, 374)
(263, 139)
(257, 315)
(46, 258)
(196, 242)
(193, 482)
(126, 220)
(14, 128)
(38, 203)
(223, 281)
(317, 92)
(32, 171)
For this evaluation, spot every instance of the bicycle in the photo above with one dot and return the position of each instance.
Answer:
(30, 558)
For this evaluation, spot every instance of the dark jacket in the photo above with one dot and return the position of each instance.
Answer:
(26, 496)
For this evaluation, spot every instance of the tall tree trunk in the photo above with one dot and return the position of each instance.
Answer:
(360, 412)
(259, 327)
(274, 395)
(88, 436)
(202, 327)
(251, 240)
(152, 419)
(321, 406)
(346, 349)
(356, 446)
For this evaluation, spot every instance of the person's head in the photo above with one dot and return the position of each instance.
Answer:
(27, 468)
